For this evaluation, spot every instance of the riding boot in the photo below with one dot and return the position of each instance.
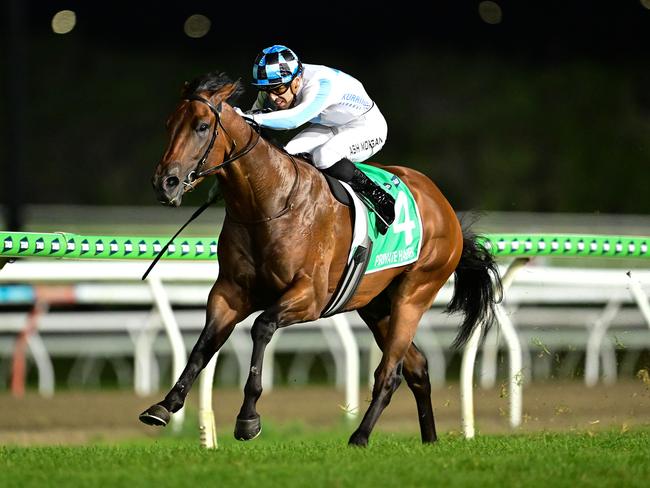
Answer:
(382, 202)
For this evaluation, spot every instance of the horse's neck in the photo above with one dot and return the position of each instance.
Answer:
(258, 185)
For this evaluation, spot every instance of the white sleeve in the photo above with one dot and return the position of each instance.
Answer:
(315, 100)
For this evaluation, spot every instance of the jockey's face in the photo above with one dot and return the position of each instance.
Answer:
(284, 95)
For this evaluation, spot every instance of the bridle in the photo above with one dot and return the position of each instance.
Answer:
(198, 171)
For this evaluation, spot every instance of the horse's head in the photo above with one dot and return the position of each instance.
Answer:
(197, 137)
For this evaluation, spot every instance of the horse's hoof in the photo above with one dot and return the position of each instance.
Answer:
(155, 415)
(358, 440)
(247, 429)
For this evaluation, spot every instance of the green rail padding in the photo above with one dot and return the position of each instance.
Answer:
(568, 245)
(65, 245)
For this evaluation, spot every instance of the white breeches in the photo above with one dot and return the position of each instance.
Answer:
(357, 140)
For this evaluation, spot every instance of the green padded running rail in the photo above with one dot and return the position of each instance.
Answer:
(66, 245)
(568, 245)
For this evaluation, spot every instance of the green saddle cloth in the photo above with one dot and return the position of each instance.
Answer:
(401, 244)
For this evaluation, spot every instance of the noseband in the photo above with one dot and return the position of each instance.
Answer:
(198, 171)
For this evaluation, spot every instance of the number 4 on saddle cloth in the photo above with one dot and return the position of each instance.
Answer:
(370, 250)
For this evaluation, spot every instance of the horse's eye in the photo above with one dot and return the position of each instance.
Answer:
(203, 127)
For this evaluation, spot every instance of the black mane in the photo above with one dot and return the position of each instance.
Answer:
(212, 82)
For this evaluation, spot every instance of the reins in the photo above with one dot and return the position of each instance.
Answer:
(197, 173)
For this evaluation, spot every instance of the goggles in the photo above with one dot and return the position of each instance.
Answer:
(277, 90)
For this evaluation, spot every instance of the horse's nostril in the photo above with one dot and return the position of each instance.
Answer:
(170, 183)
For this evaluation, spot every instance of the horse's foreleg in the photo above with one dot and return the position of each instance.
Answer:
(296, 305)
(225, 309)
(248, 424)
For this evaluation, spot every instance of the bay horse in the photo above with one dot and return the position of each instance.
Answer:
(284, 246)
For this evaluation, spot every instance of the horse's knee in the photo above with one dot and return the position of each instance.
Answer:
(263, 330)
(253, 388)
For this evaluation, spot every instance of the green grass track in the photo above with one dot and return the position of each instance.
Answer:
(294, 458)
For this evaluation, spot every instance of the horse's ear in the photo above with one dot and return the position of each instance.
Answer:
(229, 91)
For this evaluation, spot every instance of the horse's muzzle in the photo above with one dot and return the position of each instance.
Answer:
(168, 188)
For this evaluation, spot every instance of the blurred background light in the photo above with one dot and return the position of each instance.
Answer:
(490, 12)
(646, 3)
(197, 25)
(64, 21)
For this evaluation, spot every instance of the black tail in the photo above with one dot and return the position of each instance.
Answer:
(475, 294)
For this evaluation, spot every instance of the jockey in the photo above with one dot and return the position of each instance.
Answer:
(346, 126)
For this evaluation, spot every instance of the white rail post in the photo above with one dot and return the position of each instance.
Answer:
(640, 297)
(516, 380)
(143, 355)
(34, 343)
(43, 363)
(489, 360)
(337, 350)
(466, 380)
(351, 349)
(179, 357)
(207, 428)
(594, 342)
(469, 359)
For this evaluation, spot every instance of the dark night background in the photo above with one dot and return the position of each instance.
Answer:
(548, 111)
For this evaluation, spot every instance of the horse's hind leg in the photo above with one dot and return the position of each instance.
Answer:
(416, 374)
(415, 367)
(412, 297)
(225, 309)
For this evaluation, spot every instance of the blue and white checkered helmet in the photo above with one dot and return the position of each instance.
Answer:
(274, 66)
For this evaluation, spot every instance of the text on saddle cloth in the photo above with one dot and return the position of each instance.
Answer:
(401, 244)
(371, 251)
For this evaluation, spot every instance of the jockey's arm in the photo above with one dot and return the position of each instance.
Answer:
(314, 101)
